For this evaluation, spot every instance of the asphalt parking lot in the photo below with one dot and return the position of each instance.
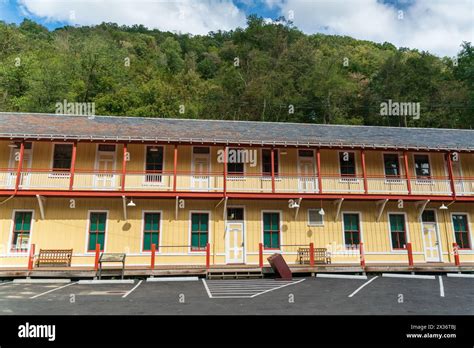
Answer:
(306, 296)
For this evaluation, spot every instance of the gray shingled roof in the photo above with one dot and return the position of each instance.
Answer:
(49, 126)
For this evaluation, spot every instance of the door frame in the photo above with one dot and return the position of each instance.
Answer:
(11, 162)
(209, 166)
(436, 224)
(244, 233)
(315, 182)
(96, 164)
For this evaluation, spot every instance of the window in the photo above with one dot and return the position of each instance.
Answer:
(267, 162)
(235, 166)
(428, 216)
(305, 153)
(97, 222)
(351, 230)
(62, 157)
(151, 230)
(347, 164)
(21, 230)
(235, 214)
(199, 231)
(154, 163)
(392, 165)
(397, 231)
(106, 148)
(422, 166)
(271, 230)
(314, 218)
(201, 150)
(461, 231)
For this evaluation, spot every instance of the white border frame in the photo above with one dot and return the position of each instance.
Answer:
(209, 169)
(10, 238)
(429, 181)
(158, 183)
(145, 252)
(199, 252)
(86, 251)
(244, 224)
(355, 178)
(388, 180)
(96, 167)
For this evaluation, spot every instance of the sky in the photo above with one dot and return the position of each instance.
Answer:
(437, 26)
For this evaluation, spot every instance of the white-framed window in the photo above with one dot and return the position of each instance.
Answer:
(314, 218)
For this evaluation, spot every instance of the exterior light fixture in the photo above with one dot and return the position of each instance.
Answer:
(443, 207)
(321, 212)
(131, 203)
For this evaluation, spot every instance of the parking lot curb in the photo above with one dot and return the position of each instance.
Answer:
(341, 276)
(108, 281)
(459, 275)
(42, 281)
(413, 276)
(172, 279)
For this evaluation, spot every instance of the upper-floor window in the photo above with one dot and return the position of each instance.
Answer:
(235, 165)
(422, 166)
(391, 165)
(347, 163)
(154, 163)
(267, 162)
(62, 157)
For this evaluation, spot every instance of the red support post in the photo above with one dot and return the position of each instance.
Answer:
(451, 175)
(73, 166)
(456, 254)
(272, 157)
(225, 170)
(311, 254)
(364, 171)
(318, 168)
(407, 174)
(260, 255)
(175, 167)
(153, 250)
(20, 164)
(208, 255)
(97, 252)
(410, 254)
(124, 165)
(362, 255)
(31, 257)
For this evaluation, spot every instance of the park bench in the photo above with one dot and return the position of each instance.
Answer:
(54, 257)
(111, 258)
(321, 255)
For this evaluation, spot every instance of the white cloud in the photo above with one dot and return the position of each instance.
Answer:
(438, 26)
(187, 16)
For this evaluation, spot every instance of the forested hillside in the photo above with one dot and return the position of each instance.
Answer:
(267, 72)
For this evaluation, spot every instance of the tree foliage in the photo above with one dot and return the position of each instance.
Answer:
(267, 71)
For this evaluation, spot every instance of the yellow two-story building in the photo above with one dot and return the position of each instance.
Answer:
(232, 189)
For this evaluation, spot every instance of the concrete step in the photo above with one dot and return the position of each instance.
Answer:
(234, 274)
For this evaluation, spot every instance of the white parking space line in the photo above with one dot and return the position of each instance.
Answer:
(41, 281)
(363, 285)
(341, 276)
(460, 275)
(243, 288)
(49, 291)
(441, 287)
(6, 283)
(129, 292)
(409, 276)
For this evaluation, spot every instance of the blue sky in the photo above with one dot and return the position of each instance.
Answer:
(438, 26)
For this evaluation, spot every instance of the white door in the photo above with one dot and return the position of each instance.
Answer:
(25, 177)
(105, 165)
(432, 247)
(307, 180)
(200, 179)
(234, 242)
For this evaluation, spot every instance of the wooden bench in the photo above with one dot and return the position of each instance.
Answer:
(321, 255)
(111, 257)
(54, 257)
